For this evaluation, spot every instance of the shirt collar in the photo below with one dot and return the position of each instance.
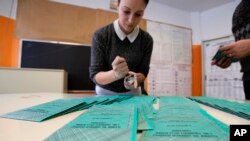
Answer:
(131, 37)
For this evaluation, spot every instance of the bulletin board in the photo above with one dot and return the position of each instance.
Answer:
(220, 83)
(171, 62)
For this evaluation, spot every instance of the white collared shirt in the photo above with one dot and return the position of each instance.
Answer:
(131, 37)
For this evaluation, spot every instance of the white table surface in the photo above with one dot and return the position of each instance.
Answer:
(19, 130)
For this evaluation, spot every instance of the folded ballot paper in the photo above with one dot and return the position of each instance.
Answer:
(116, 122)
(60, 107)
(233, 107)
(180, 119)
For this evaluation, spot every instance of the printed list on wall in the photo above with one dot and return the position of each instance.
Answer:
(171, 63)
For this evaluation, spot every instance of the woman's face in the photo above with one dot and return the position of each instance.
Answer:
(130, 13)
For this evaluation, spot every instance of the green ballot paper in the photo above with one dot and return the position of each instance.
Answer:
(180, 119)
(47, 110)
(241, 109)
(116, 122)
(219, 55)
(59, 107)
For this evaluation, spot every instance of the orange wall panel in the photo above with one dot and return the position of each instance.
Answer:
(9, 44)
(196, 71)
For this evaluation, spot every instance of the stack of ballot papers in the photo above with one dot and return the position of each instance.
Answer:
(241, 109)
(60, 107)
(180, 119)
(119, 118)
(107, 118)
(116, 122)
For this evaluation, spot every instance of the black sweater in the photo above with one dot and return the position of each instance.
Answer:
(241, 30)
(106, 45)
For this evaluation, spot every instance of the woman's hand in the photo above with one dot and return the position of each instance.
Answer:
(120, 67)
(222, 63)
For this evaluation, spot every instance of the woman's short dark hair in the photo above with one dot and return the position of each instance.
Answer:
(146, 2)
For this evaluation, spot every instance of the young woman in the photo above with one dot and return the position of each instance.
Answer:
(121, 52)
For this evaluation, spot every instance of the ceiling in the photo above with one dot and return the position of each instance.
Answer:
(194, 5)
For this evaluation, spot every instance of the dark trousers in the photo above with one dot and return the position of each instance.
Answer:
(246, 85)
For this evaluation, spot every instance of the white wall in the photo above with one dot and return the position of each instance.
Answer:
(163, 13)
(213, 23)
(196, 29)
(217, 22)
(8, 8)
